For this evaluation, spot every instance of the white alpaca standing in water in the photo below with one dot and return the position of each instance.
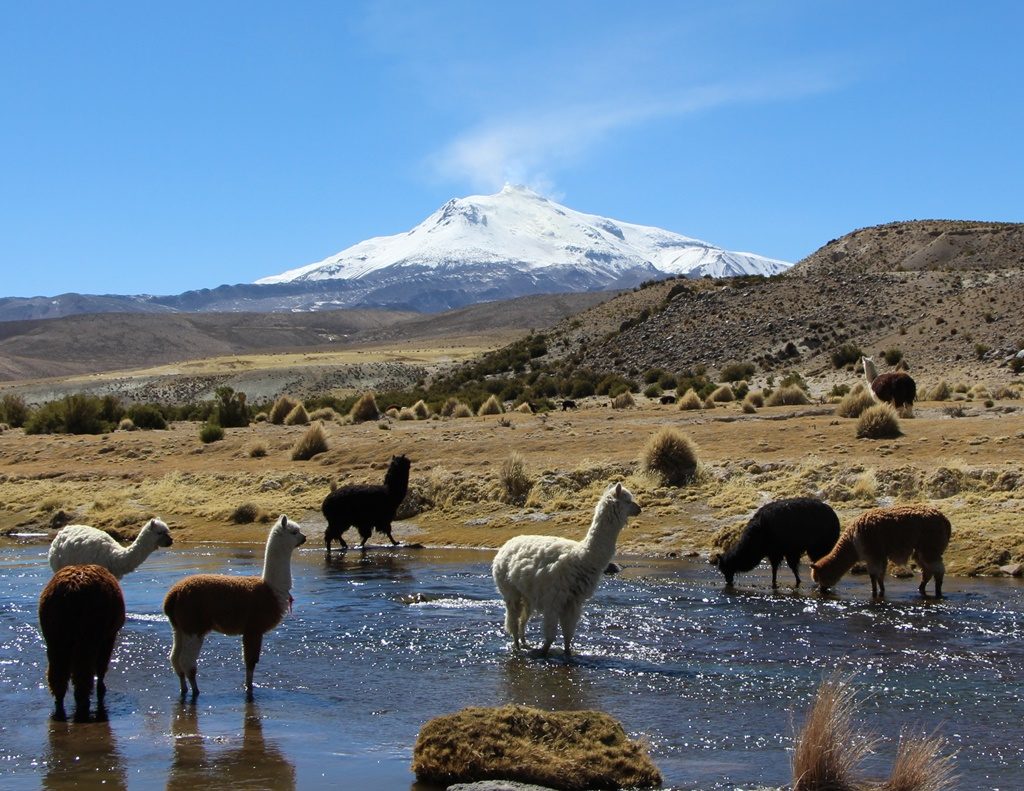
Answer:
(78, 544)
(556, 575)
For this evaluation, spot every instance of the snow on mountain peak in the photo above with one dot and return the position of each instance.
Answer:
(516, 234)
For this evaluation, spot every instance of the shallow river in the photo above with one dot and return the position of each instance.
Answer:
(379, 644)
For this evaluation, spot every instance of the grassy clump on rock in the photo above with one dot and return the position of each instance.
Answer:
(571, 750)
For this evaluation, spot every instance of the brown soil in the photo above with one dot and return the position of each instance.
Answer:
(971, 467)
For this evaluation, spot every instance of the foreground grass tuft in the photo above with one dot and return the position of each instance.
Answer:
(515, 482)
(314, 441)
(879, 422)
(690, 400)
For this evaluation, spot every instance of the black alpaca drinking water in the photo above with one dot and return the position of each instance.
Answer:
(367, 506)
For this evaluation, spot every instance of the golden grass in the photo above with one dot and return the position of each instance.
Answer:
(257, 450)
(462, 410)
(855, 403)
(324, 413)
(573, 750)
(830, 749)
(671, 455)
(364, 409)
(722, 393)
(314, 441)
(298, 416)
(281, 409)
(790, 395)
(879, 422)
(421, 410)
(623, 400)
(492, 406)
(690, 400)
(515, 481)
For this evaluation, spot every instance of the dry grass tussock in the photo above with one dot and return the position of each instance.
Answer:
(311, 443)
(879, 422)
(690, 400)
(257, 450)
(754, 398)
(281, 409)
(247, 513)
(572, 750)
(462, 410)
(298, 416)
(830, 749)
(421, 410)
(515, 481)
(623, 400)
(722, 394)
(671, 455)
(324, 413)
(492, 406)
(524, 408)
(405, 413)
(364, 409)
(855, 402)
(790, 395)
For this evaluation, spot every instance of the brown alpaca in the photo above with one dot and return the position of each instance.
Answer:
(81, 610)
(249, 606)
(883, 534)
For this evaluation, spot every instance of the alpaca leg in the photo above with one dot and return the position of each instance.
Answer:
(569, 619)
(82, 678)
(252, 642)
(525, 611)
(512, 620)
(877, 572)
(58, 673)
(103, 662)
(386, 530)
(776, 561)
(185, 658)
(550, 631)
(793, 561)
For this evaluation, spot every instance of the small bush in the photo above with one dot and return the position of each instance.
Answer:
(298, 416)
(257, 450)
(462, 410)
(281, 408)
(722, 394)
(492, 406)
(230, 408)
(421, 410)
(147, 416)
(855, 402)
(690, 400)
(670, 455)
(748, 408)
(525, 408)
(126, 424)
(247, 513)
(879, 422)
(790, 395)
(324, 413)
(14, 410)
(448, 407)
(734, 372)
(314, 441)
(892, 356)
(839, 390)
(623, 400)
(515, 483)
(211, 432)
(941, 392)
(755, 398)
(405, 413)
(364, 409)
(845, 354)
(73, 414)
(1005, 392)
(652, 391)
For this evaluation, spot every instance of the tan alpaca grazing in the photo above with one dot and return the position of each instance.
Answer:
(883, 534)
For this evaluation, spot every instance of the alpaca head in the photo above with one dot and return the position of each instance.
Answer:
(622, 500)
(868, 364)
(719, 562)
(285, 533)
(157, 533)
(397, 469)
(823, 579)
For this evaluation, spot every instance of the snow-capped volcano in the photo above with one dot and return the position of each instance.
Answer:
(517, 242)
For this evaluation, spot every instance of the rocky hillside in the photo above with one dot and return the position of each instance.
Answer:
(947, 294)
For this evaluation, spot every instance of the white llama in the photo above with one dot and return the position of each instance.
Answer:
(556, 575)
(77, 544)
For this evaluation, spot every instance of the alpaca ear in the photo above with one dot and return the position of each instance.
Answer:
(618, 489)
(284, 520)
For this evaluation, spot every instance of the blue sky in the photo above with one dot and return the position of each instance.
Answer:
(157, 147)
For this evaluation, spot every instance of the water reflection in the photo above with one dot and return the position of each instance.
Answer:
(550, 685)
(83, 755)
(256, 762)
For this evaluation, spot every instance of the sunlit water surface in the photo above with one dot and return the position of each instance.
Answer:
(378, 644)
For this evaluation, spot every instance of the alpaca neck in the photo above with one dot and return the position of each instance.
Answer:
(870, 372)
(840, 560)
(277, 571)
(131, 557)
(598, 546)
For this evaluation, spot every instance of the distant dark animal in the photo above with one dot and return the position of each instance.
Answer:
(883, 534)
(367, 506)
(897, 388)
(568, 404)
(667, 399)
(81, 610)
(782, 529)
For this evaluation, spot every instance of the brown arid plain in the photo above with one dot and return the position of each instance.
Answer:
(965, 457)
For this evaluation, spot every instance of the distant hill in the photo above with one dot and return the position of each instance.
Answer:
(117, 341)
(947, 294)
